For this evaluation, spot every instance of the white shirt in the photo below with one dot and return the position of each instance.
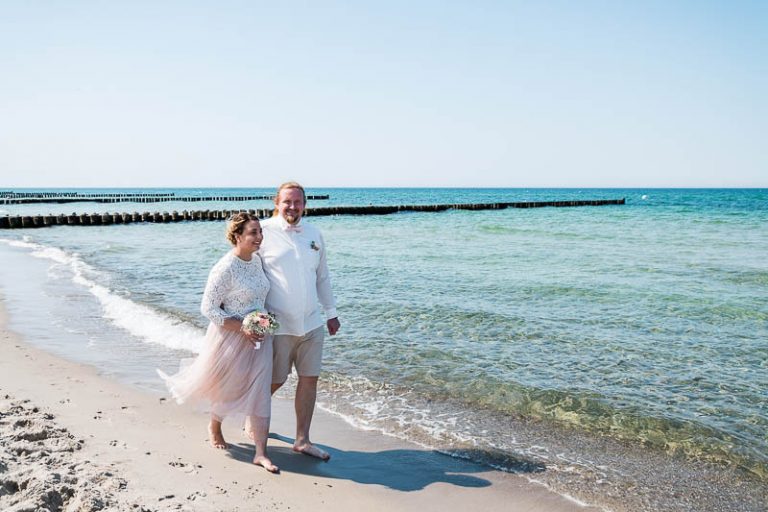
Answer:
(296, 266)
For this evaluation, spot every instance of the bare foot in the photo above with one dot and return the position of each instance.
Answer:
(217, 438)
(312, 451)
(266, 464)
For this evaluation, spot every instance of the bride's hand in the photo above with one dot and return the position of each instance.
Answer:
(252, 337)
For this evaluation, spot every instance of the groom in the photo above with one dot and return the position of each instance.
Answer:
(293, 253)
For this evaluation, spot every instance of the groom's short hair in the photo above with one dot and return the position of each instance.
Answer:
(290, 184)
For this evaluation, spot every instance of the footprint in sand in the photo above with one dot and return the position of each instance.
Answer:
(195, 495)
(187, 468)
(127, 409)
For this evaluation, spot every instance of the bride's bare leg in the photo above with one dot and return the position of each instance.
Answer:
(258, 431)
(216, 437)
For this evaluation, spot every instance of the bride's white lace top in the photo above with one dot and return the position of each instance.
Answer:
(234, 289)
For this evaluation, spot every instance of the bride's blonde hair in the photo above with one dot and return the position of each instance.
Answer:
(236, 225)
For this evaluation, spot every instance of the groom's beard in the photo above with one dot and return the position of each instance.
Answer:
(292, 218)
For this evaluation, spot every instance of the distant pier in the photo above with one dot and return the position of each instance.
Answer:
(100, 219)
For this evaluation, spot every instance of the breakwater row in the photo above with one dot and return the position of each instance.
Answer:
(100, 219)
(46, 195)
(62, 198)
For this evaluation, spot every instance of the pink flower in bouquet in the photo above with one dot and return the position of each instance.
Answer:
(259, 322)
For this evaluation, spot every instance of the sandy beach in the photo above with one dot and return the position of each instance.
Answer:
(71, 439)
(535, 232)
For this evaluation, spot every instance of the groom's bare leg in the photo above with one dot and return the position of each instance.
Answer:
(306, 394)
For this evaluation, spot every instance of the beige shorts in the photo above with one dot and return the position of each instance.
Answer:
(305, 353)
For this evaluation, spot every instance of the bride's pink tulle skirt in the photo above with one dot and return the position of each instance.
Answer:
(229, 378)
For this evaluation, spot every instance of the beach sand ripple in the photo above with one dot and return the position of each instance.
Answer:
(40, 472)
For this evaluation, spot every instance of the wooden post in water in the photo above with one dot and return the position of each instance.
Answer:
(27, 221)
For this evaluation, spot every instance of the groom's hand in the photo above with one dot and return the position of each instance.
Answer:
(333, 325)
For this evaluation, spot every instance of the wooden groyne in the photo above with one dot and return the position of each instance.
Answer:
(41, 195)
(100, 219)
(74, 197)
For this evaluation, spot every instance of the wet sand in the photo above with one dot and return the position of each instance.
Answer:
(71, 439)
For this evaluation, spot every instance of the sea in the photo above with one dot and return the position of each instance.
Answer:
(596, 350)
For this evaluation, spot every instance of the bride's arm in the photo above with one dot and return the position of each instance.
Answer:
(218, 285)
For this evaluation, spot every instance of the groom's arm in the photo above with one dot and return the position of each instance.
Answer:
(325, 292)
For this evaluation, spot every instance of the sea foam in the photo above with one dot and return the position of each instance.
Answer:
(141, 321)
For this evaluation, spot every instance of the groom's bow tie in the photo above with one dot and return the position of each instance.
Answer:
(290, 228)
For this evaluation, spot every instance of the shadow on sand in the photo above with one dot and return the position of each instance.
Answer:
(402, 469)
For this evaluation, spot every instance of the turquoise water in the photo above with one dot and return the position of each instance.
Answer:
(646, 322)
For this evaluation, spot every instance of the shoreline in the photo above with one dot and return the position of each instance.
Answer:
(612, 474)
(133, 448)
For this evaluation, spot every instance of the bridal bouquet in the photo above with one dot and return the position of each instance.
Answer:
(259, 322)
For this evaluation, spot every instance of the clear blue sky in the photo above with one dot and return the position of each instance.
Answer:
(390, 93)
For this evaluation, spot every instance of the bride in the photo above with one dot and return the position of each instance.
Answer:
(232, 373)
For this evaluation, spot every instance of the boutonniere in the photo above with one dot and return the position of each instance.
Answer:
(313, 245)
